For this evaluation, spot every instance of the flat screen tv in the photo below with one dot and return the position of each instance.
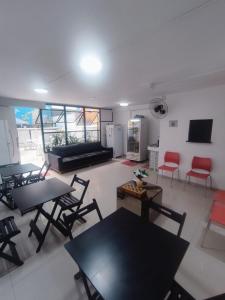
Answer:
(200, 131)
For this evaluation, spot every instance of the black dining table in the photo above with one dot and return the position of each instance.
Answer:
(18, 169)
(34, 196)
(11, 176)
(126, 258)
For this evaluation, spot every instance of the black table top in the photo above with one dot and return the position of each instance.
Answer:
(18, 169)
(125, 258)
(32, 195)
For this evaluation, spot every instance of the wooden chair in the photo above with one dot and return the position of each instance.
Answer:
(40, 176)
(6, 188)
(69, 202)
(169, 213)
(170, 157)
(200, 164)
(177, 292)
(218, 297)
(8, 230)
(80, 213)
(217, 216)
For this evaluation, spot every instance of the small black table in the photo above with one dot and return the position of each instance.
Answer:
(36, 195)
(139, 197)
(14, 170)
(11, 176)
(126, 258)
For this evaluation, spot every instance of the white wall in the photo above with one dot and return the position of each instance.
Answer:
(7, 114)
(122, 115)
(202, 104)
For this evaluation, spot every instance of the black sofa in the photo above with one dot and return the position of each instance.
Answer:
(70, 157)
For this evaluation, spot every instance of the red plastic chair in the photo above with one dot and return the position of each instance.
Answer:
(200, 163)
(217, 216)
(170, 157)
(219, 196)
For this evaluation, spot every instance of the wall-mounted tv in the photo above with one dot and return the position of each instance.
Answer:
(200, 131)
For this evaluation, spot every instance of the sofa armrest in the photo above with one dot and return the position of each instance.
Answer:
(55, 161)
(110, 149)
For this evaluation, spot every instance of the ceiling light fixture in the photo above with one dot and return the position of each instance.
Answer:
(124, 104)
(41, 91)
(91, 64)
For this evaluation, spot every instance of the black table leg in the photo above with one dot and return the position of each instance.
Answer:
(47, 227)
(34, 228)
(86, 285)
(35, 219)
(77, 276)
(145, 211)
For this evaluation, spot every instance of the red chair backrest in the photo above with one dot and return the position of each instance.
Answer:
(202, 163)
(172, 157)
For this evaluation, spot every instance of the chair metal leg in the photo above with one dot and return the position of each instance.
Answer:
(210, 178)
(206, 231)
(206, 187)
(171, 182)
(185, 183)
(157, 177)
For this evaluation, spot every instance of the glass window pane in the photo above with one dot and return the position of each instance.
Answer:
(92, 118)
(53, 126)
(75, 137)
(75, 118)
(92, 136)
(55, 118)
(53, 139)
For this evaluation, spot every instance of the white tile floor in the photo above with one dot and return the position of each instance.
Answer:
(49, 274)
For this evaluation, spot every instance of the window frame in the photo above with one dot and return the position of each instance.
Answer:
(66, 131)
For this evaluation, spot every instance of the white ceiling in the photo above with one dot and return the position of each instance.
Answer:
(171, 45)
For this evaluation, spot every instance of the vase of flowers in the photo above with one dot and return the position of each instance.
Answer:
(140, 174)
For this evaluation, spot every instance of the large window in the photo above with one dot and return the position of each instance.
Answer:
(92, 121)
(53, 126)
(75, 125)
(63, 125)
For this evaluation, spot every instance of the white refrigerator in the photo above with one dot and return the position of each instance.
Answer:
(114, 139)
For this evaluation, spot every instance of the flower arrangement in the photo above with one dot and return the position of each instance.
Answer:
(140, 174)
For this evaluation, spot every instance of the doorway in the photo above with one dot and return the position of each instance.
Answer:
(29, 135)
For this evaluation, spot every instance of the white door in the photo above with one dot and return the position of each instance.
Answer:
(118, 140)
(109, 136)
(4, 145)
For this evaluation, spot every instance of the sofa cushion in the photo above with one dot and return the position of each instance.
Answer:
(84, 155)
(72, 150)
(75, 157)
